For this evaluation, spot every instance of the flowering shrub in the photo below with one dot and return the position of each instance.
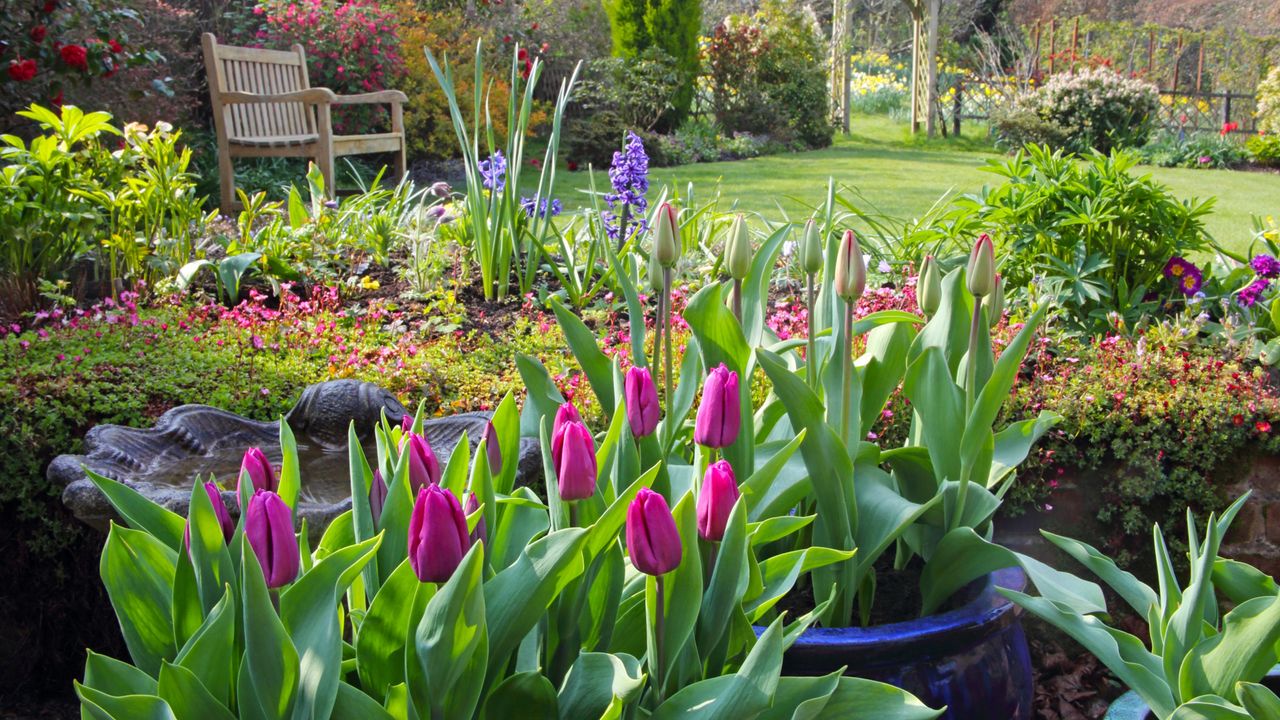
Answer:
(48, 47)
(1095, 108)
(1152, 425)
(1269, 102)
(352, 47)
(1199, 151)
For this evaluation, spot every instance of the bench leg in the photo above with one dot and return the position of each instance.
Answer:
(402, 170)
(226, 180)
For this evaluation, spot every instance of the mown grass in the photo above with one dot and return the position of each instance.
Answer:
(903, 176)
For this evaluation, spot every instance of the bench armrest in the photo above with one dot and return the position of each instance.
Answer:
(313, 96)
(382, 96)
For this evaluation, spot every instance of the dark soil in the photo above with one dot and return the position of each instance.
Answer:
(903, 586)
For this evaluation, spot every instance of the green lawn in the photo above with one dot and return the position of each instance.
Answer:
(902, 176)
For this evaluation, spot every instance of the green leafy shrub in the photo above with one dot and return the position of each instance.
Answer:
(1200, 150)
(672, 25)
(766, 75)
(1265, 149)
(1093, 233)
(639, 89)
(1093, 109)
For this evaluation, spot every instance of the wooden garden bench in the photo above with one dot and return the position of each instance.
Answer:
(264, 106)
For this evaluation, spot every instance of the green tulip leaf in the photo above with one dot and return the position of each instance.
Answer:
(1122, 653)
(1258, 700)
(1243, 651)
(454, 476)
(268, 682)
(451, 644)
(1136, 593)
(352, 704)
(1014, 443)
(209, 555)
(780, 482)
(1210, 707)
(780, 573)
(595, 681)
(309, 610)
(542, 398)
(776, 528)
(518, 597)
(210, 653)
(521, 518)
(523, 695)
(290, 473)
(381, 642)
(188, 697)
(361, 515)
(394, 523)
(101, 706)
(138, 571)
(728, 583)
(139, 512)
(594, 363)
(744, 694)
(934, 395)
(755, 288)
(113, 677)
(1241, 582)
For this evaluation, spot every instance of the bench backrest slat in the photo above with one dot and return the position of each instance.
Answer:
(263, 72)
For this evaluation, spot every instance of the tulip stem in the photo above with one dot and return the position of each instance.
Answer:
(666, 292)
(737, 300)
(658, 324)
(971, 368)
(659, 628)
(810, 351)
(847, 363)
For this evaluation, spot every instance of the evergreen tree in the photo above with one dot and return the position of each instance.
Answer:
(672, 25)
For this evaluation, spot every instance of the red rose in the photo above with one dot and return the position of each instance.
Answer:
(75, 56)
(115, 46)
(38, 33)
(22, 70)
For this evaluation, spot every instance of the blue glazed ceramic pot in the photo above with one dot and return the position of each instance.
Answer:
(973, 659)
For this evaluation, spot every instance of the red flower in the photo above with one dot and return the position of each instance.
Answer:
(546, 46)
(49, 6)
(506, 38)
(533, 27)
(38, 33)
(22, 70)
(573, 166)
(1263, 426)
(115, 46)
(1237, 420)
(522, 55)
(525, 72)
(75, 56)
(56, 100)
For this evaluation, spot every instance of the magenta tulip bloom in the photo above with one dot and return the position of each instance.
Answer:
(219, 510)
(480, 534)
(269, 528)
(575, 462)
(438, 537)
(492, 448)
(642, 402)
(377, 496)
(424, 468)
(256, 465)
(719, 415)
(566, 413)
(715, 502)
(406, 423)
(652, 538)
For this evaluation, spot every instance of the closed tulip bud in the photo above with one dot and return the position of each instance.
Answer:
(575, 462)
(424, 468)
(666, 236)
(492, 448)
(268, 525)
(564, 414)
(738, 250)
(851, 269)
(480, 534)
(716, 500)
(258, 469)
(719, 415)
(440, 189)
(811, 248)
(996, 311)
(981, 272)
(652, 538)
(929, 286)
(642, 402)
(406, 423)
(377, 496)
(219, 511)
(654, 274)
(438, 537)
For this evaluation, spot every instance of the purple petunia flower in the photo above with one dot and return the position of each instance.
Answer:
(629, 176)
(1265, 265)
(494, 172)
(1253, 291)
